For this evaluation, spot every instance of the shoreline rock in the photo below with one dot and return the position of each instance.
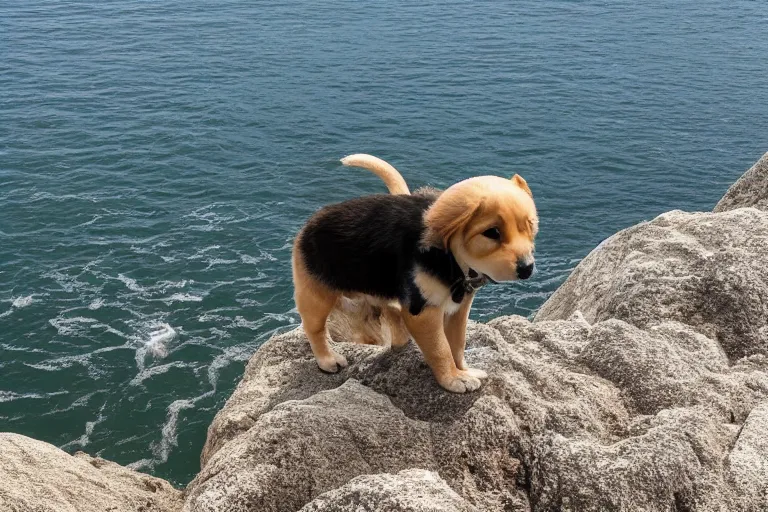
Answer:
(37, 476)
(629, 391)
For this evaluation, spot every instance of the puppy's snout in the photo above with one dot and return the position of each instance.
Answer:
(524, 269)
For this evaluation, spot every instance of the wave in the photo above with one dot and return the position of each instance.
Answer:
(157, 344)
(72, 326)
(10, 396)
(22, 302)
(130, 283)
(84, 439)
(148, 373)
(183, 297)
(168, 434)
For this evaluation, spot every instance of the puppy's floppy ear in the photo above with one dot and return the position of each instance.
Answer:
(447, 216)
(520, 182)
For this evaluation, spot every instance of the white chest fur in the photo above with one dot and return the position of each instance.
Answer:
(435, 292)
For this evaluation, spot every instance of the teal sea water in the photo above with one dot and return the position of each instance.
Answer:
(156, 159)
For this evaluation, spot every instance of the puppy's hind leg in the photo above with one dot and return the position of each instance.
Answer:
(398, 333)
(314, 303)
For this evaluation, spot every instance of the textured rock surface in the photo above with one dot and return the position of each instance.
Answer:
(749, 459)
(565, 422)
(416, 490)
(641, 386)
(707, 270)
(750, 190)
(36, 476)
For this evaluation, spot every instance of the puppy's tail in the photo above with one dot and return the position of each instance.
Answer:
(392, 179)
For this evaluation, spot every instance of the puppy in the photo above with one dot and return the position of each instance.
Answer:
(428, 252)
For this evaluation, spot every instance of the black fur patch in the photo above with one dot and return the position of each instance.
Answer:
(371, 245)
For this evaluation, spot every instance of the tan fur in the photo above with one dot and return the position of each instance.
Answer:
(456, 220)
(520, 182)
(369, 321)
(388, 174)
(314, 302)
(461, 214)
(456, 333)
(428, 331)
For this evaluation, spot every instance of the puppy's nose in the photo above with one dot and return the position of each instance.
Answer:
(524, 270)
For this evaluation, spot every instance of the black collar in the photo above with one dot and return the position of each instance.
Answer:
(464, 283)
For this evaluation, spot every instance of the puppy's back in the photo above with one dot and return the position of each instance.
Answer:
(366, 244)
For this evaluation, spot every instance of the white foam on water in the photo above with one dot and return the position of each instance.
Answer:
(248, 302)
(183, 297)
(211, 219)
(12, 348)
(228, 356)
(72, 326)
(67, 283)
(252, 260)
(148, 373)
(130, 283)
(96, 304)
(219, 333)
(210, 317)
(10, 396)
(59, 363)
(22, 302)
(219, 261)
(160, 335)
(40, 196)
(88, 223)
(86, 437)
(80, 402)
(169, 436)
(254, 325)
(279, 317)
(201, 252)
(164, 285)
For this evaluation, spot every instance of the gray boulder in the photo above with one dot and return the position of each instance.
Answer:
(641, 386)
(750, 190)
(549, 431)
(412, 490)
(36, 476)
(748, 461)
(706, 270)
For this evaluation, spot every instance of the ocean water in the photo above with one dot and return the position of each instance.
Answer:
(156, 159)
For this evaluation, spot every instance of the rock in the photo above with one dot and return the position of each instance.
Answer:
(413, 490)
(670, 366)
(749, 460)
(642, 385)
(706, 270)
(565, 422)
(669, 463)
(750, 190)
(37, 476)
(302, 448)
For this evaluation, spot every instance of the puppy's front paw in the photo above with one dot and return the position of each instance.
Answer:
(332, 363)
(478, 374)
(462, 382)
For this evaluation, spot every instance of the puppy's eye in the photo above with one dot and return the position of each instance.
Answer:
(492, 233)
